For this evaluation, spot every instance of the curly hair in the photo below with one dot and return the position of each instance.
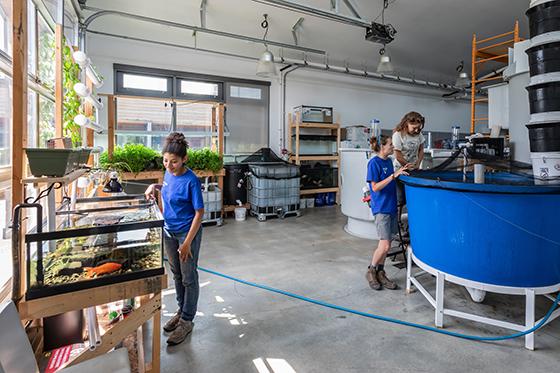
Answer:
(376, 142)
(176, 144)
(412, 118)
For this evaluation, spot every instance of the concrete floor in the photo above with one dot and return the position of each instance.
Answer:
(244, 329)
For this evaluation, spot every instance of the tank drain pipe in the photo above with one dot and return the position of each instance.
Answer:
(285, 71)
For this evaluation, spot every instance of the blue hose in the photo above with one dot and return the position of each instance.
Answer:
(390, 319)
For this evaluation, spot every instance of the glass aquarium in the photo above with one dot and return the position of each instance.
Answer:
(102, 241)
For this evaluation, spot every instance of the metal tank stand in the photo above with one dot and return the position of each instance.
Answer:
(439, 304)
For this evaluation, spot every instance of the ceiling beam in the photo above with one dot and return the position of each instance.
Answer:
(353, 8)
(303, 8)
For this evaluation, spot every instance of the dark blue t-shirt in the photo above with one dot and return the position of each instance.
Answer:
(181, 196)
(385, 200)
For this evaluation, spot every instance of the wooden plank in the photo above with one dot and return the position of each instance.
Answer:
(316, 158)
(203, 173)
(19, 115)
(231, 208)
(88, 111)
(331, 126)
(156, 340)
(49, 306)
(66, 179)
(320, 190)
(111, 118)
(59, 80)
(122, 329)
(144, 175)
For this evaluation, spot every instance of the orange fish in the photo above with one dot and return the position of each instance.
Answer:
(102, 269)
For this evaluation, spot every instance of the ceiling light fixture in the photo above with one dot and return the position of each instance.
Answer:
(266, 67)
(385, 66)
(463, 80)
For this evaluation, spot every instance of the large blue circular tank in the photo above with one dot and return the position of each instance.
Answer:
(505, 232)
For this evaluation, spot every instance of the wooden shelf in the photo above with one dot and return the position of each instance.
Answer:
(231, 208)
(319, 190)
(144, 175)
(331, 126)
(66, 179)
(316, 157)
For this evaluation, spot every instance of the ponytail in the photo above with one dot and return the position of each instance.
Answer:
(377, 142)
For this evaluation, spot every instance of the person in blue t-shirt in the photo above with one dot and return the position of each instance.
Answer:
(383, 189)
(183, 209)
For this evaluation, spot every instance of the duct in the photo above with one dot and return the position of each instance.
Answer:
(101, 12)
(298, 7)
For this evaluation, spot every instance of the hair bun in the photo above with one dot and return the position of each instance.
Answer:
(177, 137)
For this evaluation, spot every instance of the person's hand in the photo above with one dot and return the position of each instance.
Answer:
(149, 193)
(400, 171)
(185, 251)
(409, 166)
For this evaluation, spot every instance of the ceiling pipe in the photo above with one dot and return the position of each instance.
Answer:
(101, 13)
(298, 7)
(302, 64)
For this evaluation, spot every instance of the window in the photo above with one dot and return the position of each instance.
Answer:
(144, 121)
(46, 61)
(31, 35)
(195, 121)
(32, 123)
(144, 82)
(245, 92)
(246, 118)
(5, 177)
(199, 90)
(46, 120)
(6, 26)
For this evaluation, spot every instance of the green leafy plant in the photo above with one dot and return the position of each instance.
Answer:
(204, 159)
(72, 103)
(132, 158)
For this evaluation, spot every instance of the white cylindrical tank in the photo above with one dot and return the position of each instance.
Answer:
(353, 172)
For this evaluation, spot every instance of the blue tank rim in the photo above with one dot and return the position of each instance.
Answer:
(431, 179)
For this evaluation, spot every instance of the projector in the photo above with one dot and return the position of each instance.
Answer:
(379, 33)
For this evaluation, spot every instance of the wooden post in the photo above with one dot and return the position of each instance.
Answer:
(221, 129)
(19, 114)
(111, 102)
(156, 339)
(88, 111)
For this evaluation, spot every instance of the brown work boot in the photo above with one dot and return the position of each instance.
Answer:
(372, 279)
(181, 331)
(387, 284)
(172, 323)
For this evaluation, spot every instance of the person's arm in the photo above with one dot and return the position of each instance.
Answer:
(420, 157)
(400, 157)
(377, 186)
(149, 193)
(185, 248)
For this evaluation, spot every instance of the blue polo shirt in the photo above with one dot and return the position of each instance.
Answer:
(182, 196)
(384, 201)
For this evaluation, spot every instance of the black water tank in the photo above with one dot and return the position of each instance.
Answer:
(544, 18)
(544, 59)
(544, 137)
(544, 97)
(235, 183)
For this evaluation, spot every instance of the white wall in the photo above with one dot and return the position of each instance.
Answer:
(356, 100)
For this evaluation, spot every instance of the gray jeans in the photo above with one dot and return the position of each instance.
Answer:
(185, 274)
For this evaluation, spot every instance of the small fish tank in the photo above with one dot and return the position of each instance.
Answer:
(102, 241)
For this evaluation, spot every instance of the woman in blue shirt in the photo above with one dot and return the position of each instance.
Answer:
(383, 189)
(183, 209)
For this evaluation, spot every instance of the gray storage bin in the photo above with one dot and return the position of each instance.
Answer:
(212, 203)
(274, 170)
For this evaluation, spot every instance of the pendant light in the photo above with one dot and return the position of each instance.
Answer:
(463, 80)
(385, 66)
(266, 67)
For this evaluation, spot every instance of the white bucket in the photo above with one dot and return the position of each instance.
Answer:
(310, 202)
(240, 213)
(546, 165)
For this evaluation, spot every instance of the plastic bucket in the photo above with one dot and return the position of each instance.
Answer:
(544, 59)
(544, 137)
(544, 97)
(240, 213)
(546, 165)
(543, 18)
(310, 202)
